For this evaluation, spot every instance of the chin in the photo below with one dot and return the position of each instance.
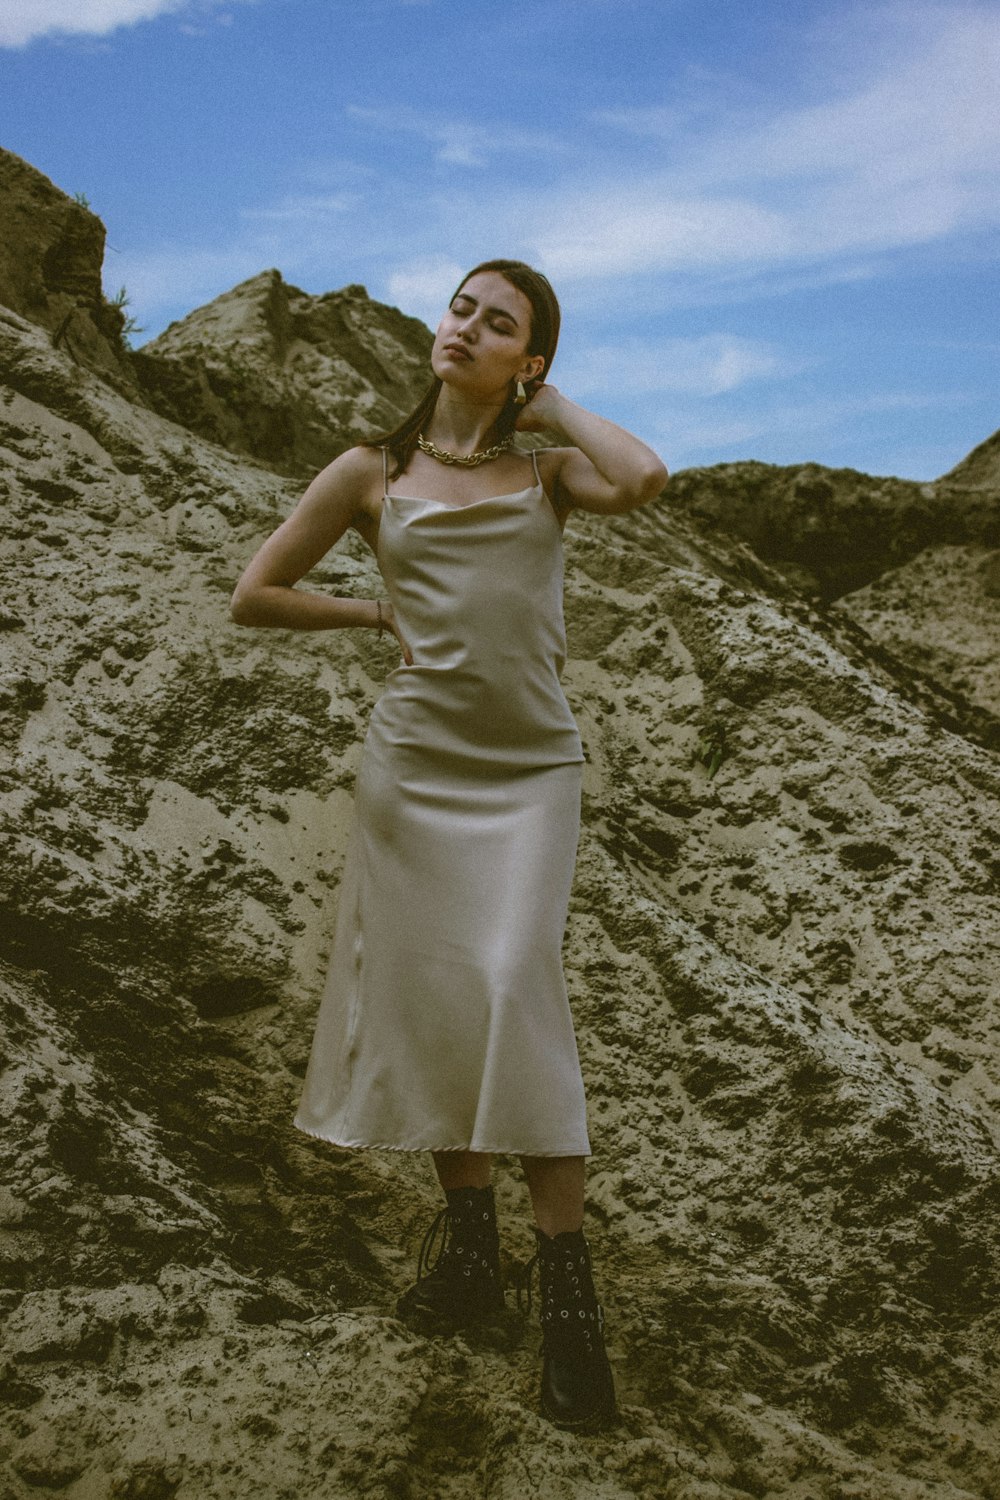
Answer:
(451, 374)
(444, 369)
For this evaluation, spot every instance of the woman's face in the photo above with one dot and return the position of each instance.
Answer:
(481, 345)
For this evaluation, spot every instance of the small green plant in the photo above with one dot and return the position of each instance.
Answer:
(130, 326)
(82, 199)
(711, 748)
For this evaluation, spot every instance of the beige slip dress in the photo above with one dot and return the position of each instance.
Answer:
(445, 1023)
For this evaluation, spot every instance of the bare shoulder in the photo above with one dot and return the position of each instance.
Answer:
(352, 482)
(355, 466)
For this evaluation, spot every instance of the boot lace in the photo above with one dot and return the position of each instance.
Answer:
(470, 1255)
(439, 1229)
(522, 1284)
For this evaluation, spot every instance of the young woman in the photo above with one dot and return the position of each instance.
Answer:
(445, 1024)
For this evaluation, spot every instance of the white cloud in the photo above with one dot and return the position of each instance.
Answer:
(932, 113)
(21, 21)
(422, 287)
(905, 159)
(640, 226)
(708, 366)
(698, 434)
(304, 206)
(459, 143)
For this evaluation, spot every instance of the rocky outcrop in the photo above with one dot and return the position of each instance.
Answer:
(781, 953)
(51, 252)
(265, 370)
(979, 470)
(940, 614)
(831, 531)
(287, 378)
(917, 566)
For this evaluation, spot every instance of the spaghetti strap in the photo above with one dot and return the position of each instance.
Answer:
(534, 465)
(385, 472)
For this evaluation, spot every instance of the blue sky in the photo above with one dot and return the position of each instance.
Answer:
(772, 227)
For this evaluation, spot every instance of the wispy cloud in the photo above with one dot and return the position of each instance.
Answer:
(708, 366)
(458, 143)
(930, 114)
(424, 286)
(707, 213)
(304, 206)
(624, 228)
(22, 21)
(905, 159)
(694, 435)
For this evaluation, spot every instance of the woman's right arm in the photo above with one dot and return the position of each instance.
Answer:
(266, 594)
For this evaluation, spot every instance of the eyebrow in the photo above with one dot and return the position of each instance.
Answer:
(498, 311)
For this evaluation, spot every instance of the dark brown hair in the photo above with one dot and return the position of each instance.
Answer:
(542, 339)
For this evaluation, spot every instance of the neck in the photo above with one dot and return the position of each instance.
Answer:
(459, 424)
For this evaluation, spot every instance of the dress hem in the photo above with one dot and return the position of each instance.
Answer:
(386, 1146)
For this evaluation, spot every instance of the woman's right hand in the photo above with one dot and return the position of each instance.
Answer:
(389, 623)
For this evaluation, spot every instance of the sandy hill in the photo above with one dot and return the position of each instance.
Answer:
(783, 971)
(269, 371)
(979, 470)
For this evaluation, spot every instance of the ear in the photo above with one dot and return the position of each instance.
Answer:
(532, 368)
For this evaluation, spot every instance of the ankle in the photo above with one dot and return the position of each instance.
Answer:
(565, 1234)
(470, 1197)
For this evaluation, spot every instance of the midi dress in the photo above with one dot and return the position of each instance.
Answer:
(444, 1022)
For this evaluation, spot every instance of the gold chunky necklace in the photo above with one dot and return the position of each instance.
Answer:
(467, 461)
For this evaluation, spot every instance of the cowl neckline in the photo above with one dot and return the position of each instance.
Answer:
(469, 504)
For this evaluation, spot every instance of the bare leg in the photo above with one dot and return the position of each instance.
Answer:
(556, 1187)
(459, 1169)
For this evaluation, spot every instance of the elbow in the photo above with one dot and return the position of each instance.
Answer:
(654, 482)
(647, 486)
(241, 610)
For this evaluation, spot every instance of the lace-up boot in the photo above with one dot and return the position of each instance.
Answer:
(578, 1388)
(462, 1284)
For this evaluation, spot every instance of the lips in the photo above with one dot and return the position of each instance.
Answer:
(458, 350)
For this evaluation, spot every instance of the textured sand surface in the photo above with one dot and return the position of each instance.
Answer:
(784, 978)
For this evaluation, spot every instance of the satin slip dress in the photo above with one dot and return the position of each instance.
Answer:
(445, 1022)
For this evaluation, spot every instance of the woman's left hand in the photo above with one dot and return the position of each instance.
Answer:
(541, 411)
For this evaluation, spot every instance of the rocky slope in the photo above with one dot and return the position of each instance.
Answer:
(51, 251)
(269, 371)
(916, 565)
(940, 614)
(783, 974)
(831, 531)
(980, 469)
(938, 610)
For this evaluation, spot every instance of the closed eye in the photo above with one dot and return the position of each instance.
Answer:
(462, 306)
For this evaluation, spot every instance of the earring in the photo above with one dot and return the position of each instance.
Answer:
(521, 395)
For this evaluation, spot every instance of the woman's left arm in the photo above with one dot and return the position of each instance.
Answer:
(607, 469)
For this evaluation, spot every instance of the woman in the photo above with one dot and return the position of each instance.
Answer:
(445, 1024)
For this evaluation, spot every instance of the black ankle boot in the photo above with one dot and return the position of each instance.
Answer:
(578, 1388)
(463, 1285)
